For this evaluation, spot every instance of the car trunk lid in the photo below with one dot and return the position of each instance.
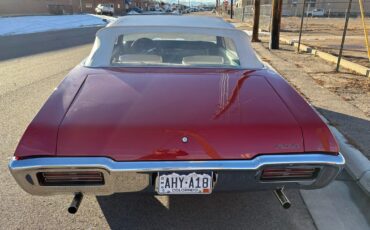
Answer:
(168, 114)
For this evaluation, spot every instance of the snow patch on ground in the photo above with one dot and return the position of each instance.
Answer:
(32, 24)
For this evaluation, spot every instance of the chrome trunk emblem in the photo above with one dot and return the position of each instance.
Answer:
(184, 140)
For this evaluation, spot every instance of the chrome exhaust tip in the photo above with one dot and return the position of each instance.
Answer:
(283, 199)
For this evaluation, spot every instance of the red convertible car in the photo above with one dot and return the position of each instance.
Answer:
(174, 105)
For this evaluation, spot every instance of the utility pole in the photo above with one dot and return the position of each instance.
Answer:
(277, 6)
(348, 13)
(256, 20)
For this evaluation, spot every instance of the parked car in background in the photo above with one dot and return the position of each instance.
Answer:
(105, 8)
(316, 13)
(176, 12)
(136, 9)
(174, 105)
(132, 12)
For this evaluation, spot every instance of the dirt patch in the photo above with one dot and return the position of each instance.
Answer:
(353, 88)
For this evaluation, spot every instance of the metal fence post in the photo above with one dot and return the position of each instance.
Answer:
(300, 29)
(243, 12)
(344, 34)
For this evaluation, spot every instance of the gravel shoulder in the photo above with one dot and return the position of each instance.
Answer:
(351, 87)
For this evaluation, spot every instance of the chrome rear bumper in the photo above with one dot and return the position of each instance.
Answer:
(232, 175)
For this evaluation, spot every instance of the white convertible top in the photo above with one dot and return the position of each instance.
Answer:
(171, 20)
(101, 52)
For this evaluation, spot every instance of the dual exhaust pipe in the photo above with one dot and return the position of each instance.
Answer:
(73, 208)
(282, 198)
(279, 193)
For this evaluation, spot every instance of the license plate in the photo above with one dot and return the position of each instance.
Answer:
(184, 183)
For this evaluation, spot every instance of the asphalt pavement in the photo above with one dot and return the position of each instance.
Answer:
(28, 77)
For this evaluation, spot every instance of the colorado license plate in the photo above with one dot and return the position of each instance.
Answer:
(184, 183)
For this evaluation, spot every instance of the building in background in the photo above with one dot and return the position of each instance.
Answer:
(332, 8)
(43, 7)
(38, 7)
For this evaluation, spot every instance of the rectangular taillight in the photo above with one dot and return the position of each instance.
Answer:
(288, 173)
(70, 178)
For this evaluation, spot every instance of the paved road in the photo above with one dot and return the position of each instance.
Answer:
(27, 81)
(27, 78)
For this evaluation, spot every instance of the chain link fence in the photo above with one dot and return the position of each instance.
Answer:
(246, 15)
(323, 25)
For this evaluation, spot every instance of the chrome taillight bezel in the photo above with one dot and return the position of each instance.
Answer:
(70, 178)
(288, 173)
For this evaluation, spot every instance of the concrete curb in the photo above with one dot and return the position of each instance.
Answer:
(357, 165)
(330, 58)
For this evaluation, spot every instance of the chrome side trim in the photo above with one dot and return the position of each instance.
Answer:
(137, 176)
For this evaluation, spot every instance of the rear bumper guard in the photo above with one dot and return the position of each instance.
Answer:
(232, 175)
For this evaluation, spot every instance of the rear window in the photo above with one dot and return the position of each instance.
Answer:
(174, 49)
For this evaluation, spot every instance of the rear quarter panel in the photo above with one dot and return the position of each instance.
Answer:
(40, 136)
(316, 134)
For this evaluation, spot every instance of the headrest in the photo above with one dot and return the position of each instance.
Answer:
(203, 60)
(140, 58)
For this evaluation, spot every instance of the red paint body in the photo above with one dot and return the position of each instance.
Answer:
(131, 114)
